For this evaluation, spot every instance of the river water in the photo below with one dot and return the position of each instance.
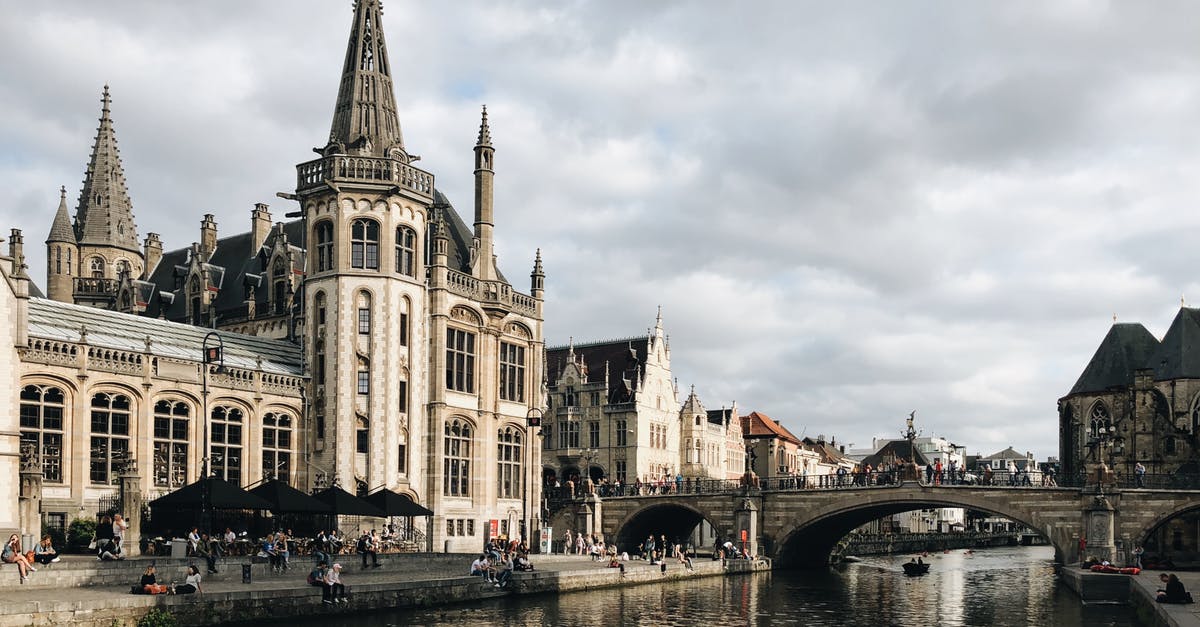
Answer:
(1001, 586)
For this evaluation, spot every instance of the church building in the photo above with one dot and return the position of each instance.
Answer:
(369, 341)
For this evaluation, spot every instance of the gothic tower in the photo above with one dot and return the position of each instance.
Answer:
(366, 211)
(62, 254)
(104, 229)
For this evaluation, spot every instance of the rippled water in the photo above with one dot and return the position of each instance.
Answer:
(1006, 586)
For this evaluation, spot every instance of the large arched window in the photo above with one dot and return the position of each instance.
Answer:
(1100, 419)
(406, 251)
(364, 244)
(457, 459)
(324, 246)
(277, 446)
(110, 436)
(508, 464)
(42, 408)
(171, 420)
(225, 443)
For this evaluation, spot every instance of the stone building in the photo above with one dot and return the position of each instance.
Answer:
(370, 342)
(713, 447)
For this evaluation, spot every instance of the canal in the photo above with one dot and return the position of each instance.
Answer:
(1001, 586)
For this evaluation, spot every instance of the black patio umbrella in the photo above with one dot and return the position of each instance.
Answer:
(285, 499)
(221, 495)
(339, 501)
(396, 504)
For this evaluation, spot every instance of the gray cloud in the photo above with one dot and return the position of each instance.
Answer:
(847, 212)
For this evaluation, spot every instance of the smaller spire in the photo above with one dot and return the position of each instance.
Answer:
(485, 134)
(60, 229)
(106, 101)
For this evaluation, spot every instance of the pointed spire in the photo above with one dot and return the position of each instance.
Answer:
(485, 134)
(364, 118)
(60, 229)
(104, 216)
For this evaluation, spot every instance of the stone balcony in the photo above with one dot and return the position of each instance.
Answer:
(344, 168)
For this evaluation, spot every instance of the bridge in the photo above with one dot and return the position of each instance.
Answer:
(800, 526)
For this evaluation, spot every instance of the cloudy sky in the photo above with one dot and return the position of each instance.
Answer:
(846, 210)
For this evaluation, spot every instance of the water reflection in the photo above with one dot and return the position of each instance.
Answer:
(1011, 586)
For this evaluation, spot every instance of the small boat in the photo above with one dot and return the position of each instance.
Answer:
(914, 568)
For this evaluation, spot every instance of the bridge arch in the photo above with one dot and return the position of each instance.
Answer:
(806, 540)
(677, 519)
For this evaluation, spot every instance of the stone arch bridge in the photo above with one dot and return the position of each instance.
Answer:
(801, 527)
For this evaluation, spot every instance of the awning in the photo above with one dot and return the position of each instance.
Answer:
(221, 495)
(396, 504)
(339, 501)
(285, 499)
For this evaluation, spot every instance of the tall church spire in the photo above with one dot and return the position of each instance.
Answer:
(364, 118)
(104, 216)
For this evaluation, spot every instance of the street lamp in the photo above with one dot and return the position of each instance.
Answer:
(533, 420)
(212, 354)
(1104, 436)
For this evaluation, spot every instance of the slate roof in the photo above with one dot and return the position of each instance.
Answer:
(49, 319)
(1127, 347)
(719, 416)
(1178, 355)
(829, 453)
(60, 229)
(1008, 453)
(896, 450)
(624, 358)
(756, 425)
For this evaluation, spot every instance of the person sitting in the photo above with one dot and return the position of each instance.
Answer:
(107, 550)
(193, 540)
(282, 551)
(523, 562)
(44, 552)
(334, 591)
(481, 567)
(268, 551)
(149, 582)
(191, 584)
(504, 571)
(1174, 591)
(12, 554)
(316, 577)
(205, 549)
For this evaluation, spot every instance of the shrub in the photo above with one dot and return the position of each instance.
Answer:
(57, 537)
(158, 617)
(79, 533)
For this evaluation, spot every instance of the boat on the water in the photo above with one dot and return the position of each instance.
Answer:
(915, 568)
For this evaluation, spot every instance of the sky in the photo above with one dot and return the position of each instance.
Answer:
(847, 211)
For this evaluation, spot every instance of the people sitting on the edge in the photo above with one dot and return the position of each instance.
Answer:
(12, 554)
(504, 570)
(44, 552)
(205, 549)
(482, 567)
(334, 591)
(316, 577)
(523, 562)
(191, 584)
(149, 582)
(193, 540)
(1174, 591)
(107, 549)
(282, 552)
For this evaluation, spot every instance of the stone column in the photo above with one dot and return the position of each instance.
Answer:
(589, 515)
(745, 519)
(1098, 528)
(29, 514)
(131, 509)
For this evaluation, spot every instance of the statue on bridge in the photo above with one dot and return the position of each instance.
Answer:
(1102, 476)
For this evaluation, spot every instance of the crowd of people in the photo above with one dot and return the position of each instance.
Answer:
(499, 560)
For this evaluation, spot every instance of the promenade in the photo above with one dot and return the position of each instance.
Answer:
(403, 580)
(1142, 592)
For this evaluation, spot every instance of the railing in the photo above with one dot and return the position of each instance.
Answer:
(50, 352)
(489, 292)
(118, 361)
(91, 286)
(363, 169)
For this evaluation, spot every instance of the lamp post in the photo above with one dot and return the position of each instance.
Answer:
(533, 420)
(211, 354)
(1104, 436)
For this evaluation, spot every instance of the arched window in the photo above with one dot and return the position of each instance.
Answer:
(362, 436)
(321, 305)
(57, 260)
(122, 267)
(171, 420)
(225, 443)
(277, 446)
(42, 408)
(457, 459)
(324, 246)
(406, 251)
(364, 244)
(97, 266)
(279, 284)
(110, 436)
(1100, 419)
(69, 271)
(509, 463)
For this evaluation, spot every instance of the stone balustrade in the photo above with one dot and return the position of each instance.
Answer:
(363, 170)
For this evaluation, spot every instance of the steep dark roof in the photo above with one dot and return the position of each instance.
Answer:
(896, 450)
(1178, 355)
(1126, 347)
(719, 416)
(461, 236)
(624, 358)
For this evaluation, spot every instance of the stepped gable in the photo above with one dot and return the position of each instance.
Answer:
(1126, 348)
(1178, 355)
(625, 359)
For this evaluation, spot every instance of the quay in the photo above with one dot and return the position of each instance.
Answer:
(1139, 591)
(88, 593)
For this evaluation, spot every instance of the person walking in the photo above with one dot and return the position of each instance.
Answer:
(367, 546)
(1139, 473)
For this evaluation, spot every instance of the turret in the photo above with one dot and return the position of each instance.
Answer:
(485, 264)
(537, 278)
(62, 254)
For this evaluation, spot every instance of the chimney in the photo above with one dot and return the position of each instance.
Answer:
(208, 236)
(260, 226)
(153, 248)
(16, 250)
